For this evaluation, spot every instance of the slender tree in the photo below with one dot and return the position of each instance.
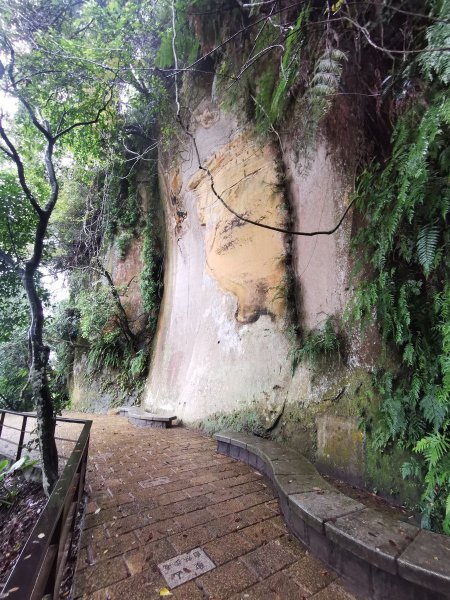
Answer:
(45, 116)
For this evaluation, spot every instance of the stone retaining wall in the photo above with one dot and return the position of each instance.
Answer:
(379, 556)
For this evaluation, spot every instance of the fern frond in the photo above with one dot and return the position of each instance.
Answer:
(433, 447)
(328, 79)
(433, 411)
(410, 469)
(427, 243)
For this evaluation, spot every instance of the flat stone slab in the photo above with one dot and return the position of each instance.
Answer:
(147, 416)
(289, 467)
(426, 561)
(143, 418)
(149, 483)
(298, 483)
(185, 567)
(372, 536)
(318, 507)
(239, 439)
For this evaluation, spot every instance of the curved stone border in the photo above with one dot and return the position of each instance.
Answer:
(379, 556)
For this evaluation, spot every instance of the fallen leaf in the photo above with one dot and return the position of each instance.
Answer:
(164, 592)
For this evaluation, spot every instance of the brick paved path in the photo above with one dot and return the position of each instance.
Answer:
(155, 494)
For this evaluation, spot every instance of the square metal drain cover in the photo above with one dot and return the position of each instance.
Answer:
(185, 567)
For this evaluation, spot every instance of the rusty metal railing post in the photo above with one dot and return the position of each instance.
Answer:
(2, 420)
(22, 437)
(40, 568)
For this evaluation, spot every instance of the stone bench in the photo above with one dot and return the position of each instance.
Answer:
(141, 418)
(379, 556)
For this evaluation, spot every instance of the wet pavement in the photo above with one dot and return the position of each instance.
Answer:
(167, 515)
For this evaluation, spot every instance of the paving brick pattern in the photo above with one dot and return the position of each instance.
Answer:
(155, 494)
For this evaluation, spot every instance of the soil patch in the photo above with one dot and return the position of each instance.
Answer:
(17, 521)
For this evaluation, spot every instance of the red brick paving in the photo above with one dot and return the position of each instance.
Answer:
(136, 520)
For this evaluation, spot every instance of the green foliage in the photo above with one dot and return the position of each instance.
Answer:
(17, 218)
(14, 309)
(62, 331)
(97, 311)
(108, 351)
(273, 90)
(187, 46)
(124, 212)
(123, 242)
(324, 343)
(8, 489)
(437, 64)
(14, 394)
(247, 419)
(321, 90)
(108, 348)
(139, 363)
(406, 240)
(427, 243)
(151, 276)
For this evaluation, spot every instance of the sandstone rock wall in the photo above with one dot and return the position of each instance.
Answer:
(223, 308)
(319, 190)
(222, 341)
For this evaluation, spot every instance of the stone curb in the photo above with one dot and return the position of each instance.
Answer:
(378, 555)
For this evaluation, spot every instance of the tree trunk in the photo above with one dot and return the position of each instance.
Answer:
(39, 357)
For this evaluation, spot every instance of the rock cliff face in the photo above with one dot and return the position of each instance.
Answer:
(99, 393)
(222, 343)
(223, 309)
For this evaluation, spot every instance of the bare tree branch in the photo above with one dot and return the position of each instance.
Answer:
(14, 155)
(89, 121)
(22, 99)
(390, 51)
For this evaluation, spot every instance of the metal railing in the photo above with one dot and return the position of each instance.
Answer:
(40, 567)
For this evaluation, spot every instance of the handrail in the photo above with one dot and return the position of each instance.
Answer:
(40, 567)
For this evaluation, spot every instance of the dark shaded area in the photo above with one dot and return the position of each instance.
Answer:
(17, 521)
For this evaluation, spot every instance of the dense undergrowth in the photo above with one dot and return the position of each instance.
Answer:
(93, 321)
(406, 241)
